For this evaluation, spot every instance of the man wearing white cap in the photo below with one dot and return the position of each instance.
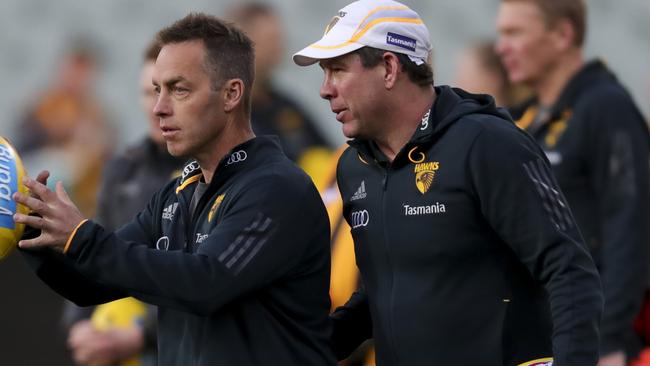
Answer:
(468, 251)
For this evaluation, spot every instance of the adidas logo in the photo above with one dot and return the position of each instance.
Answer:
(360, 193)
(168, 212)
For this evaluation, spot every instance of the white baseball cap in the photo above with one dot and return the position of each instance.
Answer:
(383, 24)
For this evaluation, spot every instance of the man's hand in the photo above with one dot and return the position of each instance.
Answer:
(94, 347)
(57, 214)
(613, 359)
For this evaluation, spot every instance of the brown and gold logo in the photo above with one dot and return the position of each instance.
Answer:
(215, 206)
(424, 171)
(334, 20)
(556, 129)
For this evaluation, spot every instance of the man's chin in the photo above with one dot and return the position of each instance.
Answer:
(176, 151)
(349, 132)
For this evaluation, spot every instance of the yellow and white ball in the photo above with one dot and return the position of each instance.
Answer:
(11, 175)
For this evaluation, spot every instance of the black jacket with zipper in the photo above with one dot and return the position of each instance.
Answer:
(467, 249)
(598, 143)
(242, 281)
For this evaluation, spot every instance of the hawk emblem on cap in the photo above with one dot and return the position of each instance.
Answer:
(334, 20)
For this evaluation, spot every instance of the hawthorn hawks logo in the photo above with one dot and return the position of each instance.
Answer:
(424, 171)
(215, 206)
(334, 20)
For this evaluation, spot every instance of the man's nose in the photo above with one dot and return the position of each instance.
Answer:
(326, 89)
(162, 108)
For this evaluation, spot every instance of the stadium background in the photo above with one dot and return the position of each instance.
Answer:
(33, 34)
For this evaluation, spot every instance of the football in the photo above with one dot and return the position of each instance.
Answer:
(11, 175)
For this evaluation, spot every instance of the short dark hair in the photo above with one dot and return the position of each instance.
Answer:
(229, 52)
(575, 11)
(421, 75)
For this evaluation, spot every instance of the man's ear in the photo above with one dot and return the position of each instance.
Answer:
(392, 68)
(564, 34)
(233, 94)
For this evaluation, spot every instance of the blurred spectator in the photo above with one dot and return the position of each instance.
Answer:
(66, 130)
(479, 70)
(117, 331)
(274, 112)
(642, 321)
(597, 142)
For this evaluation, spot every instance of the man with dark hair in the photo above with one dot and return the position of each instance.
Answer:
(467, 250)
(598, 144)
(235, 252)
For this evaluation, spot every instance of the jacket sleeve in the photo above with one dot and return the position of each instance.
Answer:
(60, 275)
(519, 198)
(262, 236)
(63, 276)
(352, 324)
(618, 165)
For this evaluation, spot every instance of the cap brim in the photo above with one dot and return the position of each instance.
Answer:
(316, 52)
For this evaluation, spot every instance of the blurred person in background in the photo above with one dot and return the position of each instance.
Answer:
(642, 321)
(597, 142)
(273, 111)
(66, 127)
(479, 70)
(130, 180)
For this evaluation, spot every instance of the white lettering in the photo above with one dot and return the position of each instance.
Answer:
(5, 174)
(424, 210)
(5, 211)
(200, 238)
(5, 154)
(5, 180)
(404, 42)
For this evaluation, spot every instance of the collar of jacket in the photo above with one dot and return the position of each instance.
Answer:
(245, 156)
(592, 72)
(449, 106)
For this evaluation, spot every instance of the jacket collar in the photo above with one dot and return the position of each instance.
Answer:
(449, 106)
(245, 156)
(592, 72)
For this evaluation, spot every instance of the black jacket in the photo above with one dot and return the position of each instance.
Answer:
(467, 249)
(242, 281)
(597, 143)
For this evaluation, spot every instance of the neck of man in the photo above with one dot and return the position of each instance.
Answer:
(402, 116)
(235, 132)
(550, 85)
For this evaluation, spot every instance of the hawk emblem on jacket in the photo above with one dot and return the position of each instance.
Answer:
(423, 180)
(424, 171)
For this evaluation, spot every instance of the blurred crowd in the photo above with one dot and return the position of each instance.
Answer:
(67, 130)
